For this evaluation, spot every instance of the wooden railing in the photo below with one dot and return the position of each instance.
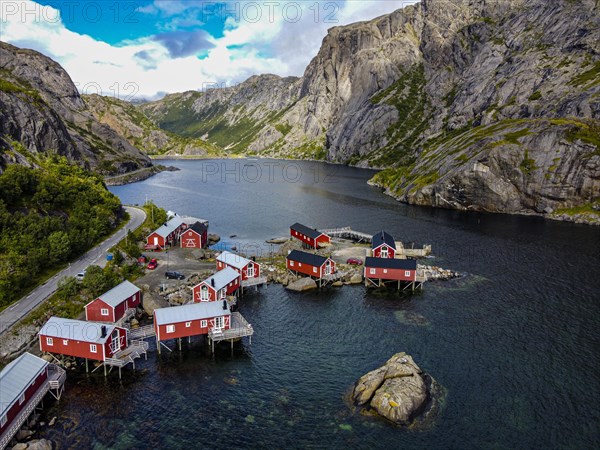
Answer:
(254, 281)
(239, 328)
(142, 332)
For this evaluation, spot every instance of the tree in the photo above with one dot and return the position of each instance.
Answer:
(60, 246)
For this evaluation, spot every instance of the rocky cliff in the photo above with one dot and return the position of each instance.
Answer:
(143, 133)
(466, 104)
(42, 112)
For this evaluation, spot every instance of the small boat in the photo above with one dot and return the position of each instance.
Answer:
(233, 235)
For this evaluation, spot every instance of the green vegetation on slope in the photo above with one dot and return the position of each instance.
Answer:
(48, 216)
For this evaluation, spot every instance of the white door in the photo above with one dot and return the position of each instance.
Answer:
(384, 252)
(250, 272)
(218, 323)
(203, 294)
(328, 268)
(155, 240)
(115, 344)
(223, 293)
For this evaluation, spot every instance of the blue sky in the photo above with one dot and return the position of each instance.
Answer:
(152, 47)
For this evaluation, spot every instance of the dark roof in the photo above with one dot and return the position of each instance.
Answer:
(383, 238)
(307, 258)
(310, 232)
(391, 263)
(199, 227)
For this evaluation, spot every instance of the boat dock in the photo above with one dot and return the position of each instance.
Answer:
(348, 233)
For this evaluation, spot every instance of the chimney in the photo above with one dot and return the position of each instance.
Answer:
(224, 304)
(254, 258)
(212, 282)
(103, 331)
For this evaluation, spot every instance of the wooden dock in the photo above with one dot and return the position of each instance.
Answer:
(141, 333)
(348, 233)
(54, 384)
(239, 328)
(134, 350)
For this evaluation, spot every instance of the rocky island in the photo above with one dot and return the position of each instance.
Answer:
(399, 391)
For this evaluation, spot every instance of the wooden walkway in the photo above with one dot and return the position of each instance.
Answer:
(254, 282)
(55, 382)
(134, 350)
(348, 233)
(144, 332)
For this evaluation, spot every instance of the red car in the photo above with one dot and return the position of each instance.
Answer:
(152, 264)
(354, 261)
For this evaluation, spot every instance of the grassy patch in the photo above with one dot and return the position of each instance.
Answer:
(527, 166)
(513, 138)
(590, 76)
(535, 96)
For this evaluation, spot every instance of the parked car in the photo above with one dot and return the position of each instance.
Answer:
(354, 261)
(152, 264)
(80, 275)
(142, 259)
(173, 275)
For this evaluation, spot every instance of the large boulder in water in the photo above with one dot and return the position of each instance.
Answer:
(398, 390)
(303, 284)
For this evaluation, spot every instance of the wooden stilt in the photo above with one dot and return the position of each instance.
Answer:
(157, 345)
(87, 369)
(119, 372)
(104, 369)
(179, 344)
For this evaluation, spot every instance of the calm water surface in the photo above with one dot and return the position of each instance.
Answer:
(515, 343)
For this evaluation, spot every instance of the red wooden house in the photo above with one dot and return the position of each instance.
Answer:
(391, 269)
(195, 236)
(113, 305)
(191, 320)
(383, 246)
(218, 286)
(246, 267)
(90, 340)
(310, 264)
(309, 236)
(21, 381)
(166, 234)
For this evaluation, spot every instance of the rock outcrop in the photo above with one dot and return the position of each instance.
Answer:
(41, 112)
(398, 390)
(301, 285)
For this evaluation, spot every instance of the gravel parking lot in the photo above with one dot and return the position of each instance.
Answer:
(185, 261)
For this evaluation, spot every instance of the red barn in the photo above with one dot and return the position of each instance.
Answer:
(391, 269)
(383, 245)
(23, 383)
(309, 236)
(195, 236)
(90, 340)
(191, 320)
(310, 264)
(246, 267)
(217, 287)
(112, 305)
(166, 234)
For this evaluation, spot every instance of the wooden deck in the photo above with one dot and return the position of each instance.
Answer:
(254, 282)
(134, 350)
(142, 332)
(55, 382)
(239, 328)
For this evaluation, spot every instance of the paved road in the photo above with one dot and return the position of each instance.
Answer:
(96, 255)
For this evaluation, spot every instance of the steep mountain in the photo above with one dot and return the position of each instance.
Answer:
(42, 112)
(141, 132)
(466, 104)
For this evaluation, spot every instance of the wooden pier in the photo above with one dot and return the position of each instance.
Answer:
(141, 333)
(239, 328)
(348, 233)
(134, 350)
(259, 281)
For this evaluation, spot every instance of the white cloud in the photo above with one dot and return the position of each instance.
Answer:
(273, 42)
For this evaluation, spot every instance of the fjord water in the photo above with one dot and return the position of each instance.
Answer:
(514, 343)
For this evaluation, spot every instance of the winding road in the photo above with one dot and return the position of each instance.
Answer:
(96, 255)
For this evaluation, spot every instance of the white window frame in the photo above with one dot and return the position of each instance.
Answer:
(3, 420)
(219, 322)
(372, 271)
(171, 328)
(188, 324)
(203, 324)
(407, 273)
(314, 270)
(65, 342)
(204, 296)
(22, 398)
(49, 341)
(384, 270)
(93, 348)
(104, 312)
(223, 294)
(292, 263)
(250, 271)
(299, 264)
(384, 252)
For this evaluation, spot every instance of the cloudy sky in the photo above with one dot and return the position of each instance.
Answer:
(147, 48)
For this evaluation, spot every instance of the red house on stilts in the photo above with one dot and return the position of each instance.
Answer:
(316, 266)
(218, 286)
(309, 237)
(23, 384)
(379, 271)
(247, 268)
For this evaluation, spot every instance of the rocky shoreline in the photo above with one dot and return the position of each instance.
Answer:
(138, 175)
